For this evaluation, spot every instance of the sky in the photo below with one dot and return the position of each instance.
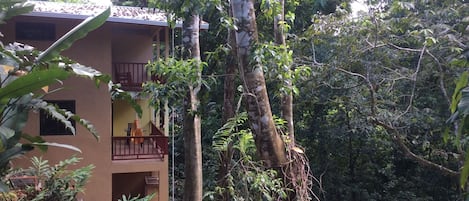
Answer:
(357, 6)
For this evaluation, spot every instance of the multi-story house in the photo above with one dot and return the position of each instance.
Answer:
(125, 164)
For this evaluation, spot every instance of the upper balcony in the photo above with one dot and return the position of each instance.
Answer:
(131, 76)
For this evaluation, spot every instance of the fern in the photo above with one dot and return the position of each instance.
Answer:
(246, 179)
(57, 182)
(40, 168)
(224, 136)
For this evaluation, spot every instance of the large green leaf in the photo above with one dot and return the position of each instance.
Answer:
(87, 124)
(463, 106)
(11, 8)
(5, 134)
(465, 171)
(73, 35)
(31, 82)
(35, 139)
(91, 73)
(460, 84)
(13, 152)
(15, 113)
(54, 144)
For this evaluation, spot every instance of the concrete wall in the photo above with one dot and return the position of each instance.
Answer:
(125, 37)
(93, 104)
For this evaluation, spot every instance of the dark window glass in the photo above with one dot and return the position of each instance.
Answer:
(35, 31)
(50, 126)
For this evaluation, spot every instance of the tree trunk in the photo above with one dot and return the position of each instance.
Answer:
(269, 144)
(292, 171)
(228, 112)
(192, 122)
(287, 97)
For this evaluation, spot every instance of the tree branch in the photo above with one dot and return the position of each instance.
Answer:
(442, 83)
(396, 138)
(370, 87)
(414, 79)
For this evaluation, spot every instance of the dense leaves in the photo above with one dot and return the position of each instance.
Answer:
(372, 107)
(378, 99)
(55, 182)
(247, 179)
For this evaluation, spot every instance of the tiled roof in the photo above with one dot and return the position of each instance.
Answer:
(123, 14)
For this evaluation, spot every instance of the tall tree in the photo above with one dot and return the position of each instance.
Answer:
(189, 11)
(228, 110)
(269, 143)
(287, 95)
(192, 121)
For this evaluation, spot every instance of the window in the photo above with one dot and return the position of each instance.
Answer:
(50, 126)
(35, 31)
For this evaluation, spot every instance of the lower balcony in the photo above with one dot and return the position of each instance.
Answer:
(139, 147)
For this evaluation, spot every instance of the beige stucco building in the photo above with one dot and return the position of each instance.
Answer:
(121, 47)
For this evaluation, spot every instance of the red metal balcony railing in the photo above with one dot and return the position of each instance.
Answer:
(130, 75)
(142, 147)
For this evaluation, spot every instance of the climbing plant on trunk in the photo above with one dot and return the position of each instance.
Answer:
(269, 143)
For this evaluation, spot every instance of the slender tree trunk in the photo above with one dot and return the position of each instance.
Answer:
(229, 81)
(292, 171)
(287, 98)
(269, 144)
(228, 112)
(192, 122)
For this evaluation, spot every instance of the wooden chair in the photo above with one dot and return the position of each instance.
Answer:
(125, 78)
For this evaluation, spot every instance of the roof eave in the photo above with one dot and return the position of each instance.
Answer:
(110, 19)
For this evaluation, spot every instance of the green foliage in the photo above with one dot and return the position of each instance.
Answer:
(270, 8)
(397, 65)
(11, 8)
(182, 8)
(177, 76)
(247, 179)
(129, 198)
(460, 114)
(460, 85)
(277, 61)
(55, 182)
(30, 82)
(225, 136)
